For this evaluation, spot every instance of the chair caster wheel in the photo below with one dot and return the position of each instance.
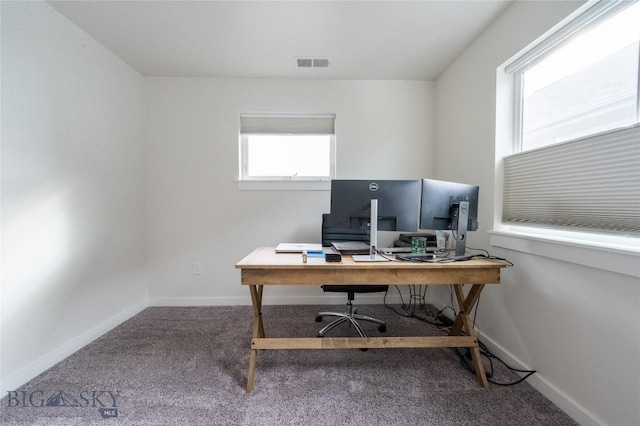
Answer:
(364, 349)
(318, 318)
(382, 328)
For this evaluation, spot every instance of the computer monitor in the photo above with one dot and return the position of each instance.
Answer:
(372, 205)
(450, 206)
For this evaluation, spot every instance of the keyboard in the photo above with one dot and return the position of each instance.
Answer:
(415, 257)
(428, 257)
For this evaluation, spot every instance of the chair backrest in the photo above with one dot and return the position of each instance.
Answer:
(330, 234)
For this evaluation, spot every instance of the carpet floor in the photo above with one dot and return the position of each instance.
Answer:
(188, 366)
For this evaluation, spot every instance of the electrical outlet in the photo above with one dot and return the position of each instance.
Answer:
(197, 268)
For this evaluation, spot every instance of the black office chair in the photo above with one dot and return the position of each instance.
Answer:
(330, 234)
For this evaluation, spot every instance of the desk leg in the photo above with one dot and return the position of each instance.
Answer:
(462, 321)
(466, 306)
(258, 331)
(256, 298)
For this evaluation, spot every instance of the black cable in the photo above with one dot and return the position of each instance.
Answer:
(461, 244)
(417, 297)
(401, 298)
(486, 254)
(408, 314)
(384, 256)
(458, 242)
(490, 357)
(465, 359)
(445, 308)
(484, 351)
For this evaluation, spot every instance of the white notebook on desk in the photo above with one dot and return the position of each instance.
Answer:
(298, 247)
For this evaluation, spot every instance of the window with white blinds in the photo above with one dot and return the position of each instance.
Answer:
(577, 140)
(587, 184)
(287, 147)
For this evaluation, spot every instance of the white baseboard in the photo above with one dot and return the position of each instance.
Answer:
(199, 301)
(542, 385)
(22, 376)
(538, 381)
(337, 299)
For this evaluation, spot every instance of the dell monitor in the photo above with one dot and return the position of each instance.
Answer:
(450, 206)
(372, 205)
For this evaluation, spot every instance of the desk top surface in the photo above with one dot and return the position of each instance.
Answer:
(267, 258)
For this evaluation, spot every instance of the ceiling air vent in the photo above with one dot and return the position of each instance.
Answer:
(304, 62)
(320, 63)
(312, 62)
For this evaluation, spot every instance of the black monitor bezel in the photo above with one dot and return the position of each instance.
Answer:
(397, 198)
(438, 204)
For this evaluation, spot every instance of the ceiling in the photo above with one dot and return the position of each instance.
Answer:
(388, 40)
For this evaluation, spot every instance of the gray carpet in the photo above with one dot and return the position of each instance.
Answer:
(187, 366)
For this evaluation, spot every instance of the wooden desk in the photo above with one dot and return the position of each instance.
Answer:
(266, 267)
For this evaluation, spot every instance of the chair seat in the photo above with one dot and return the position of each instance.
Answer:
(350, 316)
(355, 288)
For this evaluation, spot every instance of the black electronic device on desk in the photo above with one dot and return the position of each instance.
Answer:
(332, 257)
(405, 240)
(430, 257)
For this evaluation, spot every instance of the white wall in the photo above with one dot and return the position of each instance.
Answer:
(73, 224)
(196, 213)
(74, 188)
(579, 327)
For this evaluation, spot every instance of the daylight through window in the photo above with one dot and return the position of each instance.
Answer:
(576, 160)
(287, 147)
(587, 85)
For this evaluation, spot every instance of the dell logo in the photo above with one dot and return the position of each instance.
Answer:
(373, 186)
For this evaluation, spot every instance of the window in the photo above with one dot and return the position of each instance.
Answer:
(576, 161)
(287, 147)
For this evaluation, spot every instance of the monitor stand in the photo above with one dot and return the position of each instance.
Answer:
(461, 231)
(373, 255)
(369, 258)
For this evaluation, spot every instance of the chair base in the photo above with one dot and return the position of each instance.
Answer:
(352, 317)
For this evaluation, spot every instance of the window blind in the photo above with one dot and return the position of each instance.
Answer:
(287, 124)
(590, 184)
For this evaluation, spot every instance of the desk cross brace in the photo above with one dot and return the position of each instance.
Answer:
(454, 339)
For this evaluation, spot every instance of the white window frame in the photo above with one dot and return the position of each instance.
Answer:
(300, 124)
(594, 11)
(620, 254)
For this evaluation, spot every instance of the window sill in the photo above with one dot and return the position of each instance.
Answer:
(284, 185)
(621, 256)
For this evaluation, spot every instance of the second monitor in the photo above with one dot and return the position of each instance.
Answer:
(450, 206)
